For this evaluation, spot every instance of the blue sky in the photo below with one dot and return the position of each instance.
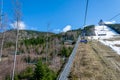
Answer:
(37, 14)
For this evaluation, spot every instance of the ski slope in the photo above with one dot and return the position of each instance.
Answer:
(108, 37)
(104, 32)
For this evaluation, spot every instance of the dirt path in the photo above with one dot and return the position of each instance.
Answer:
(95, 61)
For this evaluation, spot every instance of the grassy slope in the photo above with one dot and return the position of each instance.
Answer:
(94, 61)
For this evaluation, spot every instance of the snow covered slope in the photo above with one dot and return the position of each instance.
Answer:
(114, 44)
(108, 37)
(103, 32)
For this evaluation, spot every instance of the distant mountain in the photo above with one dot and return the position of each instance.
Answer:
(10, 35)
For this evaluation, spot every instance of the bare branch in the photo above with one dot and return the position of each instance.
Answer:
(17, 18)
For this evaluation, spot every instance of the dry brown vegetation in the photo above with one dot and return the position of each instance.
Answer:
(30, 50)
(95, 61)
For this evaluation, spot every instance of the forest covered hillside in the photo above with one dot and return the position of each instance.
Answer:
(115, 27)
(34, 48)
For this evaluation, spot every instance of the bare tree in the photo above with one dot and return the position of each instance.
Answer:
(47, 43)
(1, 15)
(3, 28)
(1, 12)
(17, 18)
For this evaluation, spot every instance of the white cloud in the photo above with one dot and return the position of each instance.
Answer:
(67, 28)
(110, 22)
(21, 25)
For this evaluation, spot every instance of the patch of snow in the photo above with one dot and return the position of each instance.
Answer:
(112, 45)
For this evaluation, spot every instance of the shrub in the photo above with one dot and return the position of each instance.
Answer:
(42, 72)
(65, 51)
(26, 74)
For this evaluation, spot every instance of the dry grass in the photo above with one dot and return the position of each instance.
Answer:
(91, 63)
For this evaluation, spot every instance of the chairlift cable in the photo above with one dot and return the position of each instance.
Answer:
(114, 16)
(86, 10)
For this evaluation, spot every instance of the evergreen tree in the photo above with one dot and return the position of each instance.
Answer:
(42, 72)
(39, 71)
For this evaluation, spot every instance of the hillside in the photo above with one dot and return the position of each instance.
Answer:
(115, 27)
(95, 61)
(71, 34)
(10, 35)
(108, 36)
(89, 30)
(34, 45)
